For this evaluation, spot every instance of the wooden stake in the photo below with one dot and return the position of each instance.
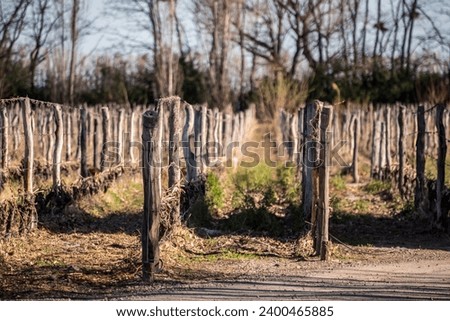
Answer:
(4, 138)
(401, 149)
(57, 153)
(355, 124)
(440, 222)
(152, 161)
(419, 194)
(83, 143)
(105, 126)
(324, 176)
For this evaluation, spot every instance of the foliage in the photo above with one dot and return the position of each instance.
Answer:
(376, 186)
(214, 197)
(338, 182)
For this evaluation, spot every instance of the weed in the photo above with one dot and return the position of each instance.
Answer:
(214, 192)
(361, 205)
(376, 186)
(338, 182)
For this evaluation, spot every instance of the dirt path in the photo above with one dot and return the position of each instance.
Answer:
(280, 279)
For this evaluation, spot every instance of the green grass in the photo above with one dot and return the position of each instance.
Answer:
(338, 182)
(431, 169)
(376, 186)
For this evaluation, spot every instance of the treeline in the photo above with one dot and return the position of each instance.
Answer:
(278, 53)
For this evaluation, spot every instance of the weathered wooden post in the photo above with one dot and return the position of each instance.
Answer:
(105, 126)
(324, 176)
(131, 128)
(51, 138)
(29, 146)
(57, 153)
(174, 141)
(83, 143)
(152, 162)
(174, 150)
(310, 155)
(95, 144)
(440, 221)
(401, 149)
(68, 134)
(4, 123)
(419, 195)
(188, 143)
(382, 154)
(120, 132)
(387, 137)
(355, 125)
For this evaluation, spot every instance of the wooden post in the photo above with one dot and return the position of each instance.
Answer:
(401, 149)
(95, 144)
(105, 126)
(355, 124)
(51, 137)
(204, 138)
(188, 143)
(312, 120)
(83, 144)
(382, 154)
(132, 137)
(29, 146)
(419, 194)
(57, 153)
(374, 160)
(4, 123)
(152, 161)
(299, 151)
(387, 137)
(68, 135)
(324, 176)
(174, 143)
(120, 152)
(440, 221)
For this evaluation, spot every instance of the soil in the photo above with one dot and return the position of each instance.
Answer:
(100, 260)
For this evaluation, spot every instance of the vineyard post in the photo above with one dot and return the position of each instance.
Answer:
(95, 144)
(307, 196)
(204, 138)
(210, 150)
(198, 140)
(105, 126)
(174, 142)
(49, 122)
(419, 194)
(174, 151)
(375, 150)
(299, 150)
(355, 125)
(83, 143)
(293, 131)
(131, 128)
(29, 146)
(68, 135)
(5, 144)
(401, 149)
(57, 152)
(382, 154)
(387, 138)
(152, 161)
(188, 141)
(324, 176)
(440, 222)
(120, 133)
(315, 148)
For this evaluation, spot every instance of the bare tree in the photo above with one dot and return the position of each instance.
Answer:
(42, 24)
(12, 24)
